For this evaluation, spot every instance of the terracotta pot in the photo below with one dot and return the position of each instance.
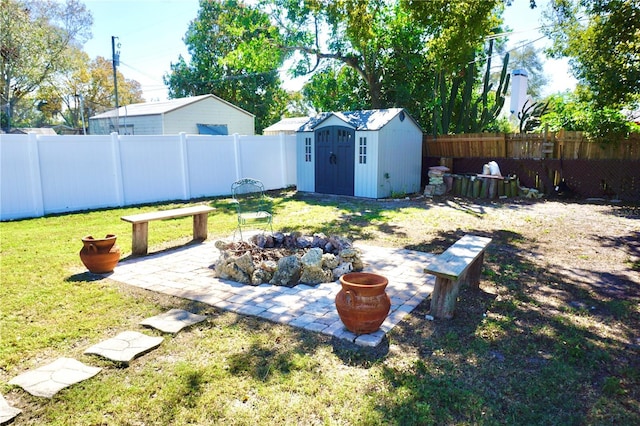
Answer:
(102, 244)
(100, 255)
(362, 303)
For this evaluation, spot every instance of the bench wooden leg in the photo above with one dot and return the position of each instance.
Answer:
(200, 226)
(139, 241)
(472, 276)
(443, 298)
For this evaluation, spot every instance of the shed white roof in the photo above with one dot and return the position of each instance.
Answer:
(374, 119)
(287, 124)
(36, 130)
(156, 108)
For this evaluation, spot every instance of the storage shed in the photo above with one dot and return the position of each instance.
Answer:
(288, 126)
(37, 130)
(204, 114)
(372, 154)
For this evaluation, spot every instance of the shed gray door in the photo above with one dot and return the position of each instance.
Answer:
(335, 156)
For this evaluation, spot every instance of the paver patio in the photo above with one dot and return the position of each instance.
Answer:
(186, 272)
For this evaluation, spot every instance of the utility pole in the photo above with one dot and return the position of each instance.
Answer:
(116, 61)
(84, 129)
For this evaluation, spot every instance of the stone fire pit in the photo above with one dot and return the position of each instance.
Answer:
(286, 259)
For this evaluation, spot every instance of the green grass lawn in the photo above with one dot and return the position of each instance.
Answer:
(509, 357)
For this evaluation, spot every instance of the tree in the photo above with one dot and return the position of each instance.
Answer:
(90, 86)
(602, 40)
(365, 36)
(364, 53)
(98, 90)
(530, 117)
(60, 96)
(571, 111)
(390, 45)
(34, 40)
(83, 89)
(337, 88)
(461, 106)
(380, 53)
(298, 106)
(234, 55)
(455, 29)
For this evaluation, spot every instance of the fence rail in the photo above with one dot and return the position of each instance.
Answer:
(558, 145)
(54, 174)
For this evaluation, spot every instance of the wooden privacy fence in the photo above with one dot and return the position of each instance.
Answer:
(562, 144)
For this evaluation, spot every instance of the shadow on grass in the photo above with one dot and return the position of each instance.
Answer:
(629, 243)
(265, 359)
(536, 347)
(87, 277)
(357, 214)
(360, 356)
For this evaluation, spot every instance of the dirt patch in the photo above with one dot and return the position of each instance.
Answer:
(571, 252)
(559, 297)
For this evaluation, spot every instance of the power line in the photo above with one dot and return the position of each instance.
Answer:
(498, 55)
(138, 71)
(509, 33)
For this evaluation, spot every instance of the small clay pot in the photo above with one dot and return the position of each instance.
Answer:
(362, 303)
(102, 244)
(101, 255)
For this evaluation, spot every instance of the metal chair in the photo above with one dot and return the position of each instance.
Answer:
(252, 205)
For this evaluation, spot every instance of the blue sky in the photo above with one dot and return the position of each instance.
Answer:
(150, 34)
(525, 24)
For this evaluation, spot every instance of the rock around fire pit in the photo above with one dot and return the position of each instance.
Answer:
(286, 259)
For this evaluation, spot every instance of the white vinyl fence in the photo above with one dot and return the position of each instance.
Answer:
(54, 174)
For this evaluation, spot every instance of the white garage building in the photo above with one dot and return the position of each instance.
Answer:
(204, 114)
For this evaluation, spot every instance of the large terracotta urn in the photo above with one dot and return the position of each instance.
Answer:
(362, 302)
(100, 255)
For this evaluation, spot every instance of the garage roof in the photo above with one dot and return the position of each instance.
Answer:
(157, 108)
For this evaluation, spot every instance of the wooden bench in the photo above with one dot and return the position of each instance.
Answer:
(460, 263)
(139, 240)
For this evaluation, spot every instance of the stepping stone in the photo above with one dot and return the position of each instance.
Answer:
(7, 412)
(48, 380)
(173, 321)
(125, 346)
